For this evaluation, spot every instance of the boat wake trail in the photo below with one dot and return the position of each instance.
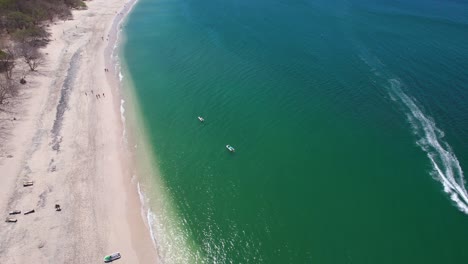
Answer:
(445, 165)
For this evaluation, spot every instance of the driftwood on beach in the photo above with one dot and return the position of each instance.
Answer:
(29, 212)
(28, 183)
(11, 220)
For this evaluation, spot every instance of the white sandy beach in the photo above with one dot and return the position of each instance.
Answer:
(69, 142)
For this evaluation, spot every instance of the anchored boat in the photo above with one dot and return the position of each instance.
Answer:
(230, 148)
(201, 119)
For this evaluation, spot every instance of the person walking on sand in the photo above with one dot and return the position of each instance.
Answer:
(103, 95)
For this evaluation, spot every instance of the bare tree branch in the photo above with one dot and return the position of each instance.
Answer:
(7, 61)
(8, 88)
(31, 55)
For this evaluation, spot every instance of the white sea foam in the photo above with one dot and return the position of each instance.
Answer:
(167, 237)
(146, 213)
(122, 118)
(149, 216)
(446, 167)
(142, 199)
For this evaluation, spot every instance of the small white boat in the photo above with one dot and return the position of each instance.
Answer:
(230, 148)
(201, 119)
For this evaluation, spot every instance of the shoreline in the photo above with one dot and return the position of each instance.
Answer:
(168, 233)
(113, 62)
(69, 142)
(133, 132)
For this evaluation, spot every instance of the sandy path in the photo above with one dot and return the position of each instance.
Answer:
(69, 142)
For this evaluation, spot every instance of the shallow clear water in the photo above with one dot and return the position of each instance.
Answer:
(349, 121)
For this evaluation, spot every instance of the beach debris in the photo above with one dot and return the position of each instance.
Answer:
(29, 212)
(11, 220)
(14, 212)
(28, 183)
(57, 208)
(41, 245)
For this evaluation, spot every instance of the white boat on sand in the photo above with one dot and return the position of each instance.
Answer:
(230, 148)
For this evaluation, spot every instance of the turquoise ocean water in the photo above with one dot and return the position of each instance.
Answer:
(349, 119)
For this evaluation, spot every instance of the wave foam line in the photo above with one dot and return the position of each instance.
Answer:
(167, 236)
(123, 120)
(148, 214)
(446, 167)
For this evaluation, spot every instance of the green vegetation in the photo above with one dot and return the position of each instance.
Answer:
(24, 19)
(22, 32)
(34, 35)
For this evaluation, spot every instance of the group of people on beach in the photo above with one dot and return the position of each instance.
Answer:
(98, 96)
